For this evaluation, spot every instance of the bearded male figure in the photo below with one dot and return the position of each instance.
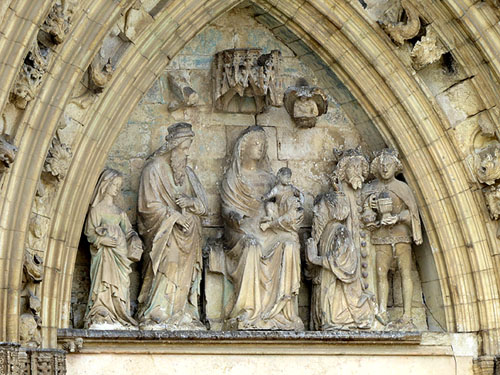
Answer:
(351, 172)
(341, 299)
(171, 203)
(395, 225)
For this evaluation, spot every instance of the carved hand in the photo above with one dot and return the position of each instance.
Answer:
(183, 201)
(109, 242)
(312, 251)
(236, 217)
(391, 220)
(184, 222)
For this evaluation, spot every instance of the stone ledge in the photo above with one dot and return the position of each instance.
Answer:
(247, 342)
(290, 337)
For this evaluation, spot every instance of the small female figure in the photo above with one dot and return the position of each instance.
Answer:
(114, 247)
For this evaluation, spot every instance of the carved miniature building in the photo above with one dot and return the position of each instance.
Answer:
(288, 186)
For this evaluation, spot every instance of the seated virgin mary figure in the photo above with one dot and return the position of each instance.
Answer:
(264, 266)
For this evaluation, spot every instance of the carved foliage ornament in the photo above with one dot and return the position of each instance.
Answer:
(56, 26)
(58, 160)
(427, 50)
(486, 168)
(305, 104)
(246, 72)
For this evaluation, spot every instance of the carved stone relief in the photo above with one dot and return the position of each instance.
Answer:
(401, 31)
(401, 21)
(57, 161)
(54, 171)
(427, 50)
(52, 32)
(58, 22)
(257, 246)
(73, 346)
(30, 319)
(263, 256)
(114, 247)
(7, 153)
(181, 87)
(9, 359)
(171, 204)
(341, 296)
(247, 73)
(30, 76)
(485, 164)
(395, 226)
(100, 74)
(305, 104)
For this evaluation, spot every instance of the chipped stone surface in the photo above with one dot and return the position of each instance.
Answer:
(459, 102)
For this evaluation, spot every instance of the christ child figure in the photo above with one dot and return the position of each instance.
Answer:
(287, 204)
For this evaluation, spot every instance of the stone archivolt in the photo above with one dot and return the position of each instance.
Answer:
(403, 109)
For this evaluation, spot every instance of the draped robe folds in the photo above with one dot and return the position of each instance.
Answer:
(264, 266)
(340, 300)
(109, 300)
(169, 295)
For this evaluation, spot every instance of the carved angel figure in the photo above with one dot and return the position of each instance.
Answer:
(114, 247)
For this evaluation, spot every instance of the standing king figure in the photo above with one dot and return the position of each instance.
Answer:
(171, 203)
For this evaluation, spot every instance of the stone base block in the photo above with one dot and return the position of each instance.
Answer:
(266, 352)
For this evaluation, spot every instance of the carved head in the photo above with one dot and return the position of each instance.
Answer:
(386, 164)
(353, 168)
(115, 186)
(487, 164)
(7, 153)
(284, 175)
(178, 134)
(254, 146)
(250, 146)
(109, 184)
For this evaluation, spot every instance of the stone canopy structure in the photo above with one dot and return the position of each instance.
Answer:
(94, 85)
